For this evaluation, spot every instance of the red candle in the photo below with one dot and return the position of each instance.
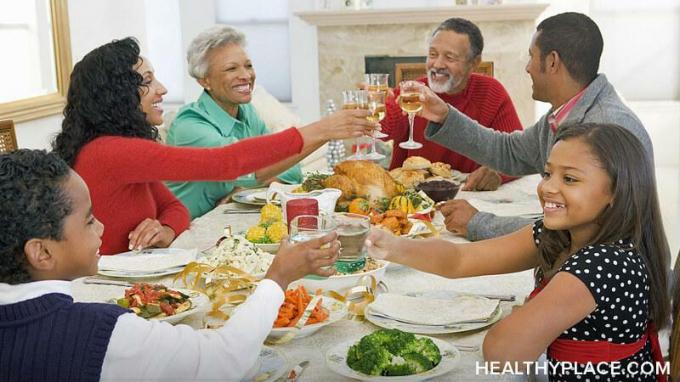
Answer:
(297, 207)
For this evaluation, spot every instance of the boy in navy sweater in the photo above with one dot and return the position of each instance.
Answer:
(49, 237)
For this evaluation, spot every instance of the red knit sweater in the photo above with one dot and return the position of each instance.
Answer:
(484, 99)
(125, 177)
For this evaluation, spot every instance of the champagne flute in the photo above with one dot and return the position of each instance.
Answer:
(361, 97)
(409, 101)
(376, 106)
(349, 102)
(377, 82)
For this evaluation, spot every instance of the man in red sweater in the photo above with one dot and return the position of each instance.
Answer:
(455, 50)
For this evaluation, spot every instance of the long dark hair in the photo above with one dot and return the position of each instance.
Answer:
(634, 214)
(103, 99)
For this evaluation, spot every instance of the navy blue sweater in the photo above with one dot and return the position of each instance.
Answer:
(51, 338)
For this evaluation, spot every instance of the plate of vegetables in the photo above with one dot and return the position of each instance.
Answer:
(393, 355)
(327, 311)
(158, 302)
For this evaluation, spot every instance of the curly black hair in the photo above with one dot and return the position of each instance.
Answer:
(33, 204)
(104, 99)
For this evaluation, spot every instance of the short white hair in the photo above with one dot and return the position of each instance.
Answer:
(207, 40)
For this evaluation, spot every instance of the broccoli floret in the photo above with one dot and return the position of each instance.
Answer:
(393, 352)
(417, 362)
(398, 367)
(368, 359)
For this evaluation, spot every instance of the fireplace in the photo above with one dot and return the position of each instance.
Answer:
(405, 68)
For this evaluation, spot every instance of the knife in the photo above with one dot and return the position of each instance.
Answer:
(294, 374)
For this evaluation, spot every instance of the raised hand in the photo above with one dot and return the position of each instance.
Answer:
(294, 261)
(434, 108)
(381, 244)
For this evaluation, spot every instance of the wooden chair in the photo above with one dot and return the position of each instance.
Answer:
(8, 139)
(412, 71)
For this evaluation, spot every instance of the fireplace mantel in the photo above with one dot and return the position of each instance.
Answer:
(474, 13)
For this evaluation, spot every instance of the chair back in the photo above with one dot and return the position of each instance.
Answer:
(415, 70)
(8, 139)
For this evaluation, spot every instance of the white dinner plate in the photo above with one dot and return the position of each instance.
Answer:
(270, 366)
(340, 282)
(387, 323)
(147, 261)
(254, 197)
(336, 359)
(140, 275)
(336, 312)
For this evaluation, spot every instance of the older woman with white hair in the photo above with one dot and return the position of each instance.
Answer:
(223, 115)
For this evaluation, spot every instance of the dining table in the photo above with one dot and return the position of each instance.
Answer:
(517, 197)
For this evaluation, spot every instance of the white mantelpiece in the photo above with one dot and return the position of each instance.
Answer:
(345, 37)
(525, 12)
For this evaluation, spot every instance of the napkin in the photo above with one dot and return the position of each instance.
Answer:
(425, 311)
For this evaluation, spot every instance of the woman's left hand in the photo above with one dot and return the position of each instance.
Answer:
(151, 233)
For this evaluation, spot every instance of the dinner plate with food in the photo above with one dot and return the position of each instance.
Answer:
(339, 282)
(327, 311)
(158, 302)
(403, 357)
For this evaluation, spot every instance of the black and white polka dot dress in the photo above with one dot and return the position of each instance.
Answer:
(617, 278)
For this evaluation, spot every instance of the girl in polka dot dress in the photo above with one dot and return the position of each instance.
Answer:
(601, 260)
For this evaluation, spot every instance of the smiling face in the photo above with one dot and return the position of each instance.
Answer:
(536, 69)
(151, 93)
(230, 77)
(448, 62)
(574, 191)
(77, 254)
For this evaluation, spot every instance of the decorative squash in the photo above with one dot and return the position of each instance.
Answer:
(402, 203)
(359, 206)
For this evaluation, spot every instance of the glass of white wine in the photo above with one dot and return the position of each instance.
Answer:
(409, 101)
(376, 108)
(377, 82)
(355, 99)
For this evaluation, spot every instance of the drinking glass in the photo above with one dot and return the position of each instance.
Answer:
(355, 99)
(352, 230)
(409, 101)
(308, 227)
(376, 106)
(377, 82)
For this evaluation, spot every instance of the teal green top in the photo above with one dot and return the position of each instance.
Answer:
(205, 124)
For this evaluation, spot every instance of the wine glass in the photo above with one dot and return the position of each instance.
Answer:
(377, 82)
(376, 106)
(409, 101)
(354, 99)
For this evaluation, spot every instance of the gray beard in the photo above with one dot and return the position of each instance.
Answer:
(445, 87)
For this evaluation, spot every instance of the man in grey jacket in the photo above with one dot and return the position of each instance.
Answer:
(564, 60)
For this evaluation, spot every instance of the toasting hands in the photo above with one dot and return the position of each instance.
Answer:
(294, 261)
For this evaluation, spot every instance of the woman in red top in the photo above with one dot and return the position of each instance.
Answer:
(109, 137)
(602, 260)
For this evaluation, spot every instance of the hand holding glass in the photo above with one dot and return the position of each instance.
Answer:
(409, 101)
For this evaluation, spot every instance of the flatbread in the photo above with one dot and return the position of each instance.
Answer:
(423, 311)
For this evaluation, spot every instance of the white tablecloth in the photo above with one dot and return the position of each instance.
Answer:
(205, 230)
